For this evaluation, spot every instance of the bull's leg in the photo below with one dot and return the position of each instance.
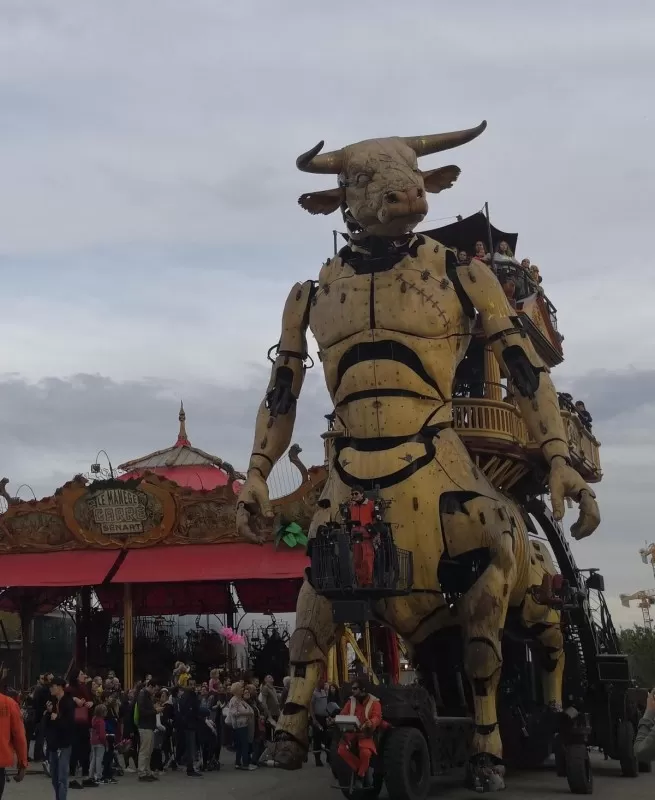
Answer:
(482, 611)
(308, 652)
(550, 653)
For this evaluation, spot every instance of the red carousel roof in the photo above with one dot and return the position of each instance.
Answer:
(185, 464)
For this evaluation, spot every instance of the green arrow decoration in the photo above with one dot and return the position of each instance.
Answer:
(291, 534)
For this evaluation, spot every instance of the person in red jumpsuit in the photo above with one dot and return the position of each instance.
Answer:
(362, 517)
(368, 711)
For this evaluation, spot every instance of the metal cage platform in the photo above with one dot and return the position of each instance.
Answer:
(350, 566)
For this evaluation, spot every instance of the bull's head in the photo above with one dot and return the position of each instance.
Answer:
(379, 180)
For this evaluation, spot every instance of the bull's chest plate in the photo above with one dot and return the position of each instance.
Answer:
(415, 297)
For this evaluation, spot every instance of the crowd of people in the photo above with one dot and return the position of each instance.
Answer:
(518, 278)
(576, 407)
(90, 731)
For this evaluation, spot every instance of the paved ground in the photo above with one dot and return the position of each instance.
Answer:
(311, 783)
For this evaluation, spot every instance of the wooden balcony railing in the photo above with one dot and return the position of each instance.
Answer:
(488, 421)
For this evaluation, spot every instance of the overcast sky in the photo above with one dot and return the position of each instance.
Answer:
(149, 230)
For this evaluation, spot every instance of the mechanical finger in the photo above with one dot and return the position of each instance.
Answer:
(557, 498)
(589, 518)
(243, 518)
(264, 502)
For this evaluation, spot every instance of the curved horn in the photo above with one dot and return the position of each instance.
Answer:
(436, 142)
(328, 163)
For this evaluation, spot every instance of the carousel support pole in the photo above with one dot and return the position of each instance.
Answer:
(128, 637)
(332, 672)
(343, 658)
(368, 649)
(84, 627)
(492, 387)
(26, 623)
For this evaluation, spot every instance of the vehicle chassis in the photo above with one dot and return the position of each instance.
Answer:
(600, 708)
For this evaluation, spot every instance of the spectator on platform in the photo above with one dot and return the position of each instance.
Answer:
(462, 257)
(585, 416)
(481, 252)
(525, 264)
(60, 733)
(504, 255)
(13, 742)
(534, 273)
(79, 689)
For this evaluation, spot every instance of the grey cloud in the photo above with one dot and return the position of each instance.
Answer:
(611, 393)
(53, 428)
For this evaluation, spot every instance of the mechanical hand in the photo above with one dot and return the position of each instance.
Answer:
(253, 499)
(565, 482)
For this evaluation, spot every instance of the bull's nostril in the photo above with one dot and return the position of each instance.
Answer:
(392, 197)
(419, 192)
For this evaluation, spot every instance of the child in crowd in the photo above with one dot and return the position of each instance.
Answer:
(98, 743)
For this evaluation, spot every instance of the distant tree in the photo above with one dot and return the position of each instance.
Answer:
(639, 644)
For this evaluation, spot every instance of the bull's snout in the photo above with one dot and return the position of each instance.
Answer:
(406, 203)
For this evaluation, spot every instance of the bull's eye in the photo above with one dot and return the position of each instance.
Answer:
(362, 179)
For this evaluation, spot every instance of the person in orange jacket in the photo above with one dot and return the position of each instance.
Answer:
(368, 711)
(13, 742)
(362, 517)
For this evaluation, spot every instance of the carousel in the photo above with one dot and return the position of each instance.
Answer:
(126, 550)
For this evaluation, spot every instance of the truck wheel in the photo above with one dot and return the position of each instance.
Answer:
(560, 758)
(578, 769)
(407, 764)
(625, 738)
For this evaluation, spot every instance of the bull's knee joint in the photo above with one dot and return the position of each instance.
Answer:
(482, 661)
(304, 648)
(291, 709)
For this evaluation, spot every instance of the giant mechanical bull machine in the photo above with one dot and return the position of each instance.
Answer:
(393, 314)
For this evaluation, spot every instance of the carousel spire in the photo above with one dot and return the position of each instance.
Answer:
(182, 438)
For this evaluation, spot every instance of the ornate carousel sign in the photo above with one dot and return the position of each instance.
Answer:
(115, 513)
(118, 512)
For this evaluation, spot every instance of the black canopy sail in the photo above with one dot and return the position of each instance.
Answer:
(463, 234)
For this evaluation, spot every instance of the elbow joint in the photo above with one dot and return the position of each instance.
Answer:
(524, 375)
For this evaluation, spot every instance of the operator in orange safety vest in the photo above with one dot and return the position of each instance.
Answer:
(362, 517)
(368, 711)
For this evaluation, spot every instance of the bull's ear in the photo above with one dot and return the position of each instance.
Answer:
(442, 178)
(321, 202)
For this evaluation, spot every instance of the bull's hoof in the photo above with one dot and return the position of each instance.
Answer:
(485, 773)
(284, 752)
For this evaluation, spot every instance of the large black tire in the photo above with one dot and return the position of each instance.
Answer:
(625, 741)
(560, 758)
(578, 769)
(343, 775)
(645, 766)
(407, 764)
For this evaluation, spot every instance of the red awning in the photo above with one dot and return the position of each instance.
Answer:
(34, 599)
(70, 568)
(162, 599)
(278, 596)
(210, 562)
